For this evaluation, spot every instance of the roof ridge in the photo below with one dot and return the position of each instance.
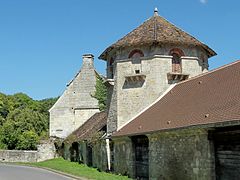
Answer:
(209, 72)
(155, 28)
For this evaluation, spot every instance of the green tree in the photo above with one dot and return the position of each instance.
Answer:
(46, 104)
(9, 135)
(28, 140)
(101, 93)
(28, 119)
(23, 120)
(3, 106)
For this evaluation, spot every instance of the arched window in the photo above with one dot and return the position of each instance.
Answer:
(136, 53)
(176, 60)
(176, 63)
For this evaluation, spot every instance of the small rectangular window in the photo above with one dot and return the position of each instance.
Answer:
(137, 71)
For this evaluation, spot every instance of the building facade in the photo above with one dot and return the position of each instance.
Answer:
(143, 64)
(77, 104)
(167, 117)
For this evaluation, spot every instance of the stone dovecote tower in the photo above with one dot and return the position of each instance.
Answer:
(76, 105)
(143, 64)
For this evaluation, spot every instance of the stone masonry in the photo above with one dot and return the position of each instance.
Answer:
(45, 150)
(181, 154)
(130, 98)
(76, 105)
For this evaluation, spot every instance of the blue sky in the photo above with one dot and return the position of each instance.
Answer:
(42, 41)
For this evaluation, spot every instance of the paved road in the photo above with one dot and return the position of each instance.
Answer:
(14, 172)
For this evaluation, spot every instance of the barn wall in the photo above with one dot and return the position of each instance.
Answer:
(97, 158)
(123, 156)
(182, 154)
(99, 155)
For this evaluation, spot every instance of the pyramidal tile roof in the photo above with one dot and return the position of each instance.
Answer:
(156, 30)
(207, 99)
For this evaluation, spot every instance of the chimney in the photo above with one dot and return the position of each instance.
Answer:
(88, 59)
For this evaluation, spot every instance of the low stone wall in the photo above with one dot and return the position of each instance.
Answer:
(18, 156)
(46, 150)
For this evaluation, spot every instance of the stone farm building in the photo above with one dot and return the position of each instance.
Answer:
(167, 116)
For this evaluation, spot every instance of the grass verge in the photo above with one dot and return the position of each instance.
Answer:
(75, 169)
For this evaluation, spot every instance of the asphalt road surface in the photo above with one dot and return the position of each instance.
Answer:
(14, 172)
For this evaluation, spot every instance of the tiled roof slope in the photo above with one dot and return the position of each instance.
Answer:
(90, 127)
(157, 30)
(213, 97)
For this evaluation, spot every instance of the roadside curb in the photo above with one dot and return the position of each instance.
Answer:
(62, 173)
(49, 169)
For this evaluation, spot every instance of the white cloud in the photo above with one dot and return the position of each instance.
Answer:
(203, 1)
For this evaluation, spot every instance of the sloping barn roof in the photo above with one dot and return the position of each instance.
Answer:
(210, 98)
(89, 128)
(156, 30)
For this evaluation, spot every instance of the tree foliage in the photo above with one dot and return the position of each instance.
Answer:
(23, 121)
(101, 93)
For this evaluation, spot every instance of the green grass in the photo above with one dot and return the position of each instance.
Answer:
(76, 169)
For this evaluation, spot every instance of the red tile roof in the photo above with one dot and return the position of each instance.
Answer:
(156, 30)
(213, 97)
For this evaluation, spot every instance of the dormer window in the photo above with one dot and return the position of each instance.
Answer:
(135, 54)
(176, 60)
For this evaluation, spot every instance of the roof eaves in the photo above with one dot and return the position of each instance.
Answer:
(200, 125)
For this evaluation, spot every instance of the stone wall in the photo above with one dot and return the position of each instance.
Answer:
(76, 105)
(123, 157)
(182, 154)
(99, 155)
(45, 150)
(163, 49)
(149, 51)
(18, 156)
(130, 98)
(94, 156)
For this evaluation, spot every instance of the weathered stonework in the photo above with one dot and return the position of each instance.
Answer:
(76, 105)
(99, 155)
(181, 154)
(94, 155)
(18, 156)
(129, 98)
(123, 157)
(45, 150)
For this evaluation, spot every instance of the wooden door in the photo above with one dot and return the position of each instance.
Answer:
(141, 157)
(227, 149)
